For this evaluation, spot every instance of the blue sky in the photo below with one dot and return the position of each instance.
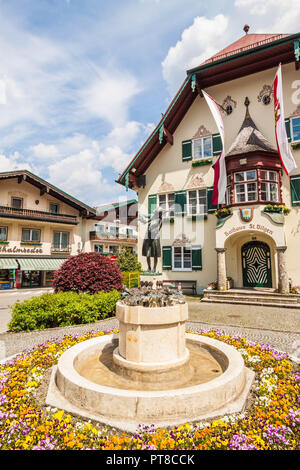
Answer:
(84, 82)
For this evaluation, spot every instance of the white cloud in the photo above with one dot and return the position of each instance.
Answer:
(13, 162)
(198, 42)
(280, 16)
(78, 161)
(109, 95)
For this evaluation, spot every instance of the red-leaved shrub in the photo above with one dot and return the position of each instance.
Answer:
(88, 272)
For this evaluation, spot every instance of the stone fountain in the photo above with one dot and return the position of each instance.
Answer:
(151, 373)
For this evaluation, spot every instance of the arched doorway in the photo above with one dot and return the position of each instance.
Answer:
(256, 264)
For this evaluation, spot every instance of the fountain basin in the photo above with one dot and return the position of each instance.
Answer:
(125, 408)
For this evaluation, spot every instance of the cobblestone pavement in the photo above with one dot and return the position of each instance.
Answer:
(12, 343)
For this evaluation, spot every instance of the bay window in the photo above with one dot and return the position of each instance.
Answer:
(261, 186)
(245, 186)
(269, 186)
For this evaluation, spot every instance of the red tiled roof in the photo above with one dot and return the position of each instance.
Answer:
(248, 41)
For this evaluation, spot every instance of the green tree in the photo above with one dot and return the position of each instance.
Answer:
(128, 261)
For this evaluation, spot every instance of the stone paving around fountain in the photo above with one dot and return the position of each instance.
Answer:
(260, 326)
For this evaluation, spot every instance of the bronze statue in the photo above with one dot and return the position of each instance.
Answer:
(151, 245)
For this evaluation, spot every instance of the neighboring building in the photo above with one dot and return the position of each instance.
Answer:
(174, 170)
(40, 227)
(113, 227)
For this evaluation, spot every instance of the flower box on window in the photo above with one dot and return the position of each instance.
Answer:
(279, 209)
(222, 213)
(206, 161)
(296, 145)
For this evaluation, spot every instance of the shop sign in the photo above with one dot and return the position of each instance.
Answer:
(259, 227)
(16, 250)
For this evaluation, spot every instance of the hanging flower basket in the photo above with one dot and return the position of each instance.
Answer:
(222, 213)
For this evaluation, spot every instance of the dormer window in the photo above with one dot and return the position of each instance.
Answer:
(202, 148)
(17, 202)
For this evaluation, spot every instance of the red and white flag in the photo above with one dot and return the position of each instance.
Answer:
(284, 150)
(220, 178)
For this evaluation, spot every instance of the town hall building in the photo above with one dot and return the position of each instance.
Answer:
(253, 240)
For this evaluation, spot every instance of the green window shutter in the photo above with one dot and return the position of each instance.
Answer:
(288, 128)
(217, 144)
(210, 207)
(166, 257)
(152, 203)
(186, 150)
(196, 258)
(295, 190)
(180, 202)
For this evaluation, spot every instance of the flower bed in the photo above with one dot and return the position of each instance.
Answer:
(270, 423)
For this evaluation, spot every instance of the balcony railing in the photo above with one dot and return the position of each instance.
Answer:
(37, 215)
(112, 237)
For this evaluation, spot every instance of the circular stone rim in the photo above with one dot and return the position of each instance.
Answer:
(66, 370)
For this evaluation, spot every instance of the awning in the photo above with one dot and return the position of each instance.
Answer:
(8, 263)
(42, 264)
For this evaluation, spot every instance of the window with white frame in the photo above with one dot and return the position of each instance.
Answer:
(99, 228)
(245, 186)
(295, 129)
(182, 258)
(31, 235)
(269, 186)
(114, 249)
(166, 202)
(202, 148)
(98, 248)
(3, 234)
(61, 240)
(197, 202)
(228, 193)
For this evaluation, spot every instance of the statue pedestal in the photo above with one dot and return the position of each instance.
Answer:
(151, 342)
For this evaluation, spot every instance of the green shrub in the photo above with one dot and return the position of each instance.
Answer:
(62, 309)
(128, 261)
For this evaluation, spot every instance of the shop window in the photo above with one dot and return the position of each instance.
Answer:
(166, 202)
(3, 234)
(17, 202)
(31, 235)
(61, 241)
(295, 128)
(98, 248)
(197, 202)
(54, 208)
